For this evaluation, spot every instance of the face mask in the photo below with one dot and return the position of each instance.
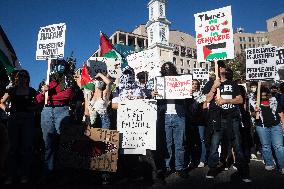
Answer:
(59, 68)
(99, 84)
(253, 89)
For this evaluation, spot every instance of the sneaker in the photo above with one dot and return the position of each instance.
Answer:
(234, 167)
(212, 173)
(253, 156)
(8, 181)
(24, 180)
(246, 180)
(269, 167)
(201, 165)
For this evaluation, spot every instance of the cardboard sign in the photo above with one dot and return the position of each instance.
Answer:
(104, 65)
(174, 87)
(280, 63)
(261, 63)
(93, 149)
(202, 75)
(148, 60)
(51, 41)
(136, 120)
(214, 34)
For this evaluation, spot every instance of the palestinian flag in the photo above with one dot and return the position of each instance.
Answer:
(107, 50)
(86, 81)
(8, 58)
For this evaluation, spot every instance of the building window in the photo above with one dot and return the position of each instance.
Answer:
(245, 46)
(249, 39)
(174, 60)
(163, 34)
(283, 20)
(252, 39)
(274, 24)
(188, 71)
(253, 45)
(188, 63)
(241, 39)
(244, 39)
(181, 71)
(241, 46)
(151, 36)
(161, 10)
(195, 64)
(181, 60)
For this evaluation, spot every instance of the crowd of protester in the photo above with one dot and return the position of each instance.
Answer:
(221, 126)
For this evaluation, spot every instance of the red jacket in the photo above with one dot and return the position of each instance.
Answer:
(55, 96)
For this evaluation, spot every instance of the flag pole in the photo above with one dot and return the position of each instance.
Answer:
(217, 77)
(47, 79)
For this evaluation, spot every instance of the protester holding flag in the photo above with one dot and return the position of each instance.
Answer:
(55, 114)
(269, 129)
(20, 126)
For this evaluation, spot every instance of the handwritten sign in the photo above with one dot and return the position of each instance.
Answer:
(261, 63)
(51, 41)
(93, 149)
(104, 65)
(214, 34)
(136, 120)
(280, 63)
(174, 87)
(148, 60)
(202, 75)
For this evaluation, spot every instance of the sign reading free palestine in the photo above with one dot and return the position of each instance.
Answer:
(214, 35)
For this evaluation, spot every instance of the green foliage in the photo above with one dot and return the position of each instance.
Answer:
(238, 65)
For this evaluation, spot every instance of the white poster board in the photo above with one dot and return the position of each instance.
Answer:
(202, 75)
(261, 63)
(51, 41)
(104, 65)
(174, 87)
(214, 34)
(280, 63)
(136, 120)
(148, 60)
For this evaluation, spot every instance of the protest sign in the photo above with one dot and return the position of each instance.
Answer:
(148, 60)
(280, 63)
(104, 65)
(51, 41)
(261, 63)
(136, 120)
(174, 87)
(93, 149)
(202, 75)
(214, 34)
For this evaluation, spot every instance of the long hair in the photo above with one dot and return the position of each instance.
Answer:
(171, 71)
(25, 73)
(198, 84)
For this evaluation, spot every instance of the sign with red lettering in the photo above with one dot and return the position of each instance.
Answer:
(261, 63)
(174, 87)
(92, 148)
(214, 35)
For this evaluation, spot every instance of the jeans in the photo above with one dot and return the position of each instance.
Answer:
(271, 135)
(21, 127)
(229, 127)
(201, 130)
(53, 119)
(175, 135)
(104, 121)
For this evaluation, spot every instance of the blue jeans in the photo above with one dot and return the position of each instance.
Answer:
(271, 135)
(53, 119)
(175, 135)
(229, 127)
(21, 136)
(201, 130)
(104, 121)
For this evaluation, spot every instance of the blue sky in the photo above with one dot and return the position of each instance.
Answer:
(21, 20)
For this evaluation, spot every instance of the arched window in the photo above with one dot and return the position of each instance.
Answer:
(274, 24)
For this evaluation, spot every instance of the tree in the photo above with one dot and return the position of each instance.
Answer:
(238, 66)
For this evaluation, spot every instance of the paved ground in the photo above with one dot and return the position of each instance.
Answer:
(84, 179)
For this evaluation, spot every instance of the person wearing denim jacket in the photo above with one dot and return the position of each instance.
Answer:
(269, 129)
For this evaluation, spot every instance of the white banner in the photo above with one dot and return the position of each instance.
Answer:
(174, 87)
(51, 41)
(202, 75)
(261, 63)
(136, 120)
(280, 63)
(214, 34)
(104, 65)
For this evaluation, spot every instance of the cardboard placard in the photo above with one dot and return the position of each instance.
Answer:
(202, 75)
(51, 41)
